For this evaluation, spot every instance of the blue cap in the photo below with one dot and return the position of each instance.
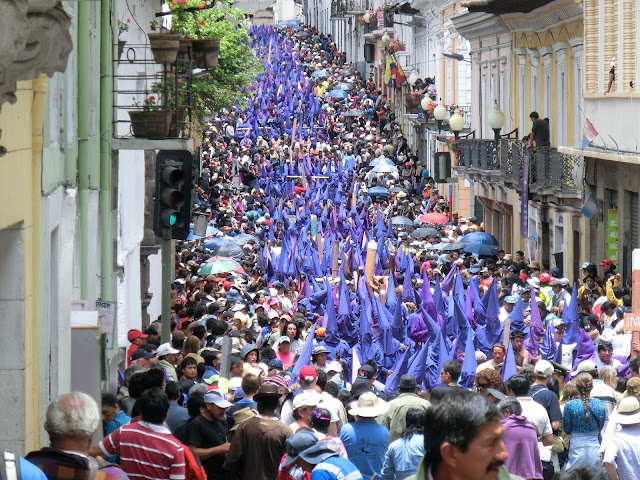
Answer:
(510, 299)
(475, 268)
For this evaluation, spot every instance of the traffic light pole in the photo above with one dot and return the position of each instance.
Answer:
(166, 254)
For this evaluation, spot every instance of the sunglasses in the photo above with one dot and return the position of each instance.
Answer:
(483, 385)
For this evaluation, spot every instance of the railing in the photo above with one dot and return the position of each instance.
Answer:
(356, 6)
(550, 172)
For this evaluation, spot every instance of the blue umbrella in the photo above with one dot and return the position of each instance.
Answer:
(378, 192)
(338, 94)
(481, 249)
(480, 237)
(322, 73)
(344, 86)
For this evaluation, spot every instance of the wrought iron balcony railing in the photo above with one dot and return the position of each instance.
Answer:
(550, 172)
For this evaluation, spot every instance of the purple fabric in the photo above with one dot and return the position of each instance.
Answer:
(585, 348)
(509, 368)
(521, 441)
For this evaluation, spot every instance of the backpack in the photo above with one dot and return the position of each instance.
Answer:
(193, 469)
(10, 465)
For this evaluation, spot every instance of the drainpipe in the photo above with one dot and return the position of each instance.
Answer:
(107, 281)
(84, 153)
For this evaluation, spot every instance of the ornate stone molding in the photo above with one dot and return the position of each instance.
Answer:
(34, 39)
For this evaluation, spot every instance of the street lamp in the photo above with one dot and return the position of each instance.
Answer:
(413, 78)
(496, 120)
(367, 17)
(440, 113)
(426, 102)
(456, 122)
(386, 40)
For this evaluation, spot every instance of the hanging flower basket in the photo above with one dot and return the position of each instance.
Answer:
(164, 47)
(151, 123)
(206, 52)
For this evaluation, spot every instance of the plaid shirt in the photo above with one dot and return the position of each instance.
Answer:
(60, 465)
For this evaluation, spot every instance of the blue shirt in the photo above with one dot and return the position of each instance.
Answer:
(402, 459)
(573, 418)
(366, 441)
(335, 468)
(177, 416)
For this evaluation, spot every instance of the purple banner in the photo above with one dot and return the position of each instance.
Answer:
(524, 198)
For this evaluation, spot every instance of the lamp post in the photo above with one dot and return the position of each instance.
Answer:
(456, 122)
(496, 120)
(386, 40)
(413, 78)
(440, 113)
(426, 103)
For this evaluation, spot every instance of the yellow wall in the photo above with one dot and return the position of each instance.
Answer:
(21, 125)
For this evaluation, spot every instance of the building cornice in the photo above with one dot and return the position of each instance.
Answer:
(475, 25)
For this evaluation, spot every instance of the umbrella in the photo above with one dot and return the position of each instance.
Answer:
(353, 113)
(481, 249)
(455, 246)
(296, 27)
(346, 72)
(425, 232)
(225, 247)
(402, 222)
(480, 237)
(302, 34)
(321, 74)
(338, 94)
(433, 217)
(385, 168)
(378, 192)
(245, 238)
(397, 189)
(440, 246)
(344, 86)
(381, 160)
(217, 265)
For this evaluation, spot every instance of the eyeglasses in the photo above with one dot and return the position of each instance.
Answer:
(483, 385)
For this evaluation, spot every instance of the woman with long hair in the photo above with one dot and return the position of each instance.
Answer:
(404, 454)
(583, 419)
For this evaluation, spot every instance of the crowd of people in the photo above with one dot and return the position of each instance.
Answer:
(315, 336)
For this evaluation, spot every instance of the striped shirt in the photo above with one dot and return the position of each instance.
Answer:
(146, 451)
(335, 468)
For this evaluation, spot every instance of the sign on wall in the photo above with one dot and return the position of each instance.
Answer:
(612, 234)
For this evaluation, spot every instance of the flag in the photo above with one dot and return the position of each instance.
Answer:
(401, 78)
(590, 132)
(355, 365)
(387, 71)
(590, 207)
(509, 368)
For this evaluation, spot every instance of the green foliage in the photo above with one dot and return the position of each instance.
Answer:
(237, 65)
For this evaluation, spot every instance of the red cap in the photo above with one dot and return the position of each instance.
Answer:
(523, 276)
(606, 261)
(308, 371)
(135, 333)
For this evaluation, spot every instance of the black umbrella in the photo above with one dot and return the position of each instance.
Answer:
(397, 189)
(455, 246)
(425, 232)
(402, 222)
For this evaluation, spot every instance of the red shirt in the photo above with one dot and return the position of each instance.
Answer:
(146, 451)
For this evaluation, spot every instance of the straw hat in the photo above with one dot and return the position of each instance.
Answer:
(369, 406)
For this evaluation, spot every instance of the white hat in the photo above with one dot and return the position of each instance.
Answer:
(166, 349)
(628, 411)
(217, 399)
(284, 339)
(543, 369)
(238, 306)
(585, 366)
(334, 367)
(369, 406)
(305, 399)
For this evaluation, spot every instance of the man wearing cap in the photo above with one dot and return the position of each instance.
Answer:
(608, 270)
(560, 295)
(207, 435)
(324, 463)
(143, 359)
(137, 338)
(545, 397)
(366, 440)
(395, 419)
(622, 454)
(259, 443)
(507, 307)
(167, 356)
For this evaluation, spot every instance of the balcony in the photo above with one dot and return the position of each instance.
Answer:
(356, 7)
(501, 164)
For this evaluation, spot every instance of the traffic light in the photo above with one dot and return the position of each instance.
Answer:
(172, 207)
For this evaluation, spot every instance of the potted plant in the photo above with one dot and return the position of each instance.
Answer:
(152, 120)
(196, 20)
(397, 46)
(361, 20)
(122, 27)
(412, 102)
(164, 45)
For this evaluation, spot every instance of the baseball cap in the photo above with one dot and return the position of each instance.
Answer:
(606, 261)
(585, 366)
(585, 265)
(135, 333)
(366, 371)
(308, 371)
(543, 369)
(216, 398)
(334, 367)
(276, 364)
(166, 349)
(141, 353)
(305, 399)
(510, 299)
